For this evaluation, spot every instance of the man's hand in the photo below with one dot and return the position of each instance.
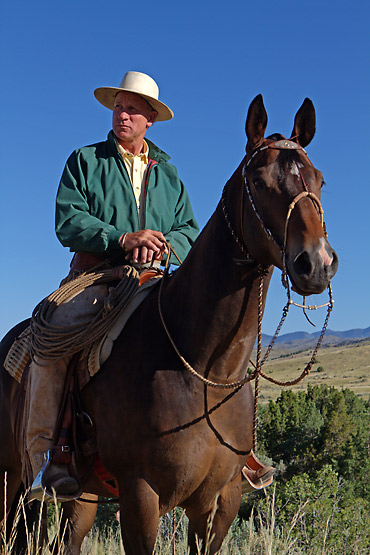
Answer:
(144, 246)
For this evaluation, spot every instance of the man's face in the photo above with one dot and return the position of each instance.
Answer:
(132, 116)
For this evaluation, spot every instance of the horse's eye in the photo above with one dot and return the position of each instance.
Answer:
(322, 183)
(259, 183)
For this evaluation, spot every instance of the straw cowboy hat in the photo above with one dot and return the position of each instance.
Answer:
(138, 83)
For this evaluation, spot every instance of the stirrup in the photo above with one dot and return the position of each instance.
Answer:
(255, 465)
(38, 490)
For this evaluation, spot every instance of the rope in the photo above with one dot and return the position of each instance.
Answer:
(53, 342)
(188, 367)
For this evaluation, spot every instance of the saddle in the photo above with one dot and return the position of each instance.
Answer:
(74, 433)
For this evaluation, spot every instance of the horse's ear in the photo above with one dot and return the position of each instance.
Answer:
(256, 123)
(304, 123)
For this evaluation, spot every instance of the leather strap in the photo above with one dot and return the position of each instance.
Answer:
(63, 433)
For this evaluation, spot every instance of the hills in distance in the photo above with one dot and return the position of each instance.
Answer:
(332, 337)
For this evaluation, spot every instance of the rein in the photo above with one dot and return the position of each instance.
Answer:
(279, 145)
(257, 373)
(206, 381)
(259, 363)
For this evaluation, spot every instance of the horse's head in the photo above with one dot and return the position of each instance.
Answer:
(282, 215)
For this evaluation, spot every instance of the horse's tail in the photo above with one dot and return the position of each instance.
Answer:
(20, 414)
(17, 411)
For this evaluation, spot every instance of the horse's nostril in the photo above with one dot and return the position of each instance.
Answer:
(302, 264)
(333, 266)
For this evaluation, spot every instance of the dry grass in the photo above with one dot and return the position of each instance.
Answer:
(242, 539)
(258, 536)
(341, 366)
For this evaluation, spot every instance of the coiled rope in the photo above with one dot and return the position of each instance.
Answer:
(51, 342)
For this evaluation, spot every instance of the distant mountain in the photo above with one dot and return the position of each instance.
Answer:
(307, 337)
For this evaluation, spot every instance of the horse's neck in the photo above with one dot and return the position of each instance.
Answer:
(212, 302)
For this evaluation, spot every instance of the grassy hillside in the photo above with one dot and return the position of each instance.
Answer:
(340, 364)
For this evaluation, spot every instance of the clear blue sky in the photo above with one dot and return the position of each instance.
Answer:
(210, 58)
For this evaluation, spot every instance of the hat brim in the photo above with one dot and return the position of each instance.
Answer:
(106, 96)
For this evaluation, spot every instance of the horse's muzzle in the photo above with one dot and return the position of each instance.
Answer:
(311, 270)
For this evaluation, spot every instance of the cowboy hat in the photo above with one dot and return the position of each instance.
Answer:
(138, 83)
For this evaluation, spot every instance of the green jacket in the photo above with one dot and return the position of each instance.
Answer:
(95, 203)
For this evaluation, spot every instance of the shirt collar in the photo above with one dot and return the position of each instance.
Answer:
(143, 154)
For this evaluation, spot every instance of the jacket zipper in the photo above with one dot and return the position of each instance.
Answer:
(122, 167)
(150, 165)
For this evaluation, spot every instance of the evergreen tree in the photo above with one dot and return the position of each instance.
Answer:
(304, 431)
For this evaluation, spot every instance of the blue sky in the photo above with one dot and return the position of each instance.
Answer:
(210, 60)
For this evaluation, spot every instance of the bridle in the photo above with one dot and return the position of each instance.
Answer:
(284, 144)
(262, 271)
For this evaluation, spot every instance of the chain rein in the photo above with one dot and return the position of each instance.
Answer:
(284, 144)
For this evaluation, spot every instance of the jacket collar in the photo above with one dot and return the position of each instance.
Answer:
(155, 153)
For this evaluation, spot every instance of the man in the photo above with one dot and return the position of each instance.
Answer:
(118, 200)
(122, 194)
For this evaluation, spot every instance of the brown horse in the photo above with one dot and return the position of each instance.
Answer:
(167, 437)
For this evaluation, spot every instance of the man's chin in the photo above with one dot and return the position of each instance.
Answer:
(122, 133)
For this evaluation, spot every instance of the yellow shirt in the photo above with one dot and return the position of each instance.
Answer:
(136, 168)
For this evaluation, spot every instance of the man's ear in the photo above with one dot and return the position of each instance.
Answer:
(151, 118)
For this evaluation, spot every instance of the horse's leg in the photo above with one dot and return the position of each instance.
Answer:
(220, 515)
(139, 516)
(76, 521)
